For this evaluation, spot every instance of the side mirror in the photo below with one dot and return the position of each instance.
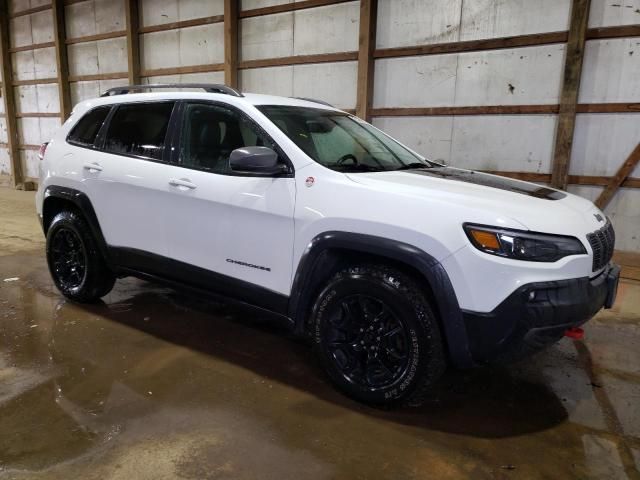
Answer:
(261, 160)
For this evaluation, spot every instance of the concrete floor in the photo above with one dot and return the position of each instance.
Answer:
(156, 384)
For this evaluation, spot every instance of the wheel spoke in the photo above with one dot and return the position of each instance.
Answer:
(381, 317)
(392, 353)
(384, 366)
(362, 305)
(366, 341)
(347, 361)
(340, 344)
(351, 314)
(397, 330)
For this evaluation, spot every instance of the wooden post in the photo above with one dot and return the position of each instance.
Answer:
(133, 40)
(569, 94)
(618, 179)
(6, 77)
(231, 43)
(367, 45)
(62, 64)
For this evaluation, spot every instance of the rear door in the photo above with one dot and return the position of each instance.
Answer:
(126, 178)
(236, 225)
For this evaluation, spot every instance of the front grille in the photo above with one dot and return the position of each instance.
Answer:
(602, 242)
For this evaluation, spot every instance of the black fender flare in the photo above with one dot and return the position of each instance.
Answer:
(81, 201)
(314, 259)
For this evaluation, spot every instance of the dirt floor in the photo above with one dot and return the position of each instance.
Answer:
(155, 384)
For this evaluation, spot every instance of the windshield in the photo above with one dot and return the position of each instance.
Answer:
(340, 141)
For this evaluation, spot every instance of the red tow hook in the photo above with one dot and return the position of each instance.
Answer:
(575, 333)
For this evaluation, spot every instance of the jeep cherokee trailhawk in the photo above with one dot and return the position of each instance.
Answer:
(393, 265)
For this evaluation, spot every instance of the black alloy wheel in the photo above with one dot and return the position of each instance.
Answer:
(367, 341)
(76, 264)
(376, 336)
(69, 258)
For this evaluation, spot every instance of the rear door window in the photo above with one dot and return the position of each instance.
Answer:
(139, 129)
(85, 132)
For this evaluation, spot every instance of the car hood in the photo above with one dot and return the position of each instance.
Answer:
(535, 207)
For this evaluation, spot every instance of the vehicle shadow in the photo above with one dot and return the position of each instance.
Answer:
(490, 402)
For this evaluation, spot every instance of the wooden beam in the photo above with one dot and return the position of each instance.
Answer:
(194, 22)
(608, 108)
(231, 43)
(366, 62)
(474, 45)
(154, 72)
(37, 115)
(62, 63)
(29, 11)
(288, 7)
(569, 93)
(23, 147)
(464, 110)
(544, 109)
(133, 40)
(621, 31)
(598, 181)
(299, 60)
(33, 46)
(616, 181)
(6, 76)
(590, 180)
(516, 41)
(96, 37)
(35, 81)
(98, 76)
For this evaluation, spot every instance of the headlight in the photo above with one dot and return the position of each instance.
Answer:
(521, 245)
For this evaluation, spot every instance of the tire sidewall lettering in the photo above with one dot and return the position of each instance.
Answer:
(414, 320)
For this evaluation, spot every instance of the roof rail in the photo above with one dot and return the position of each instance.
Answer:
(207, 87)
(321, 102)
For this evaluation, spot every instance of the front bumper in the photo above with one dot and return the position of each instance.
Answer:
(537, 315)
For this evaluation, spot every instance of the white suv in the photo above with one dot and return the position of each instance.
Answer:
(393, 265)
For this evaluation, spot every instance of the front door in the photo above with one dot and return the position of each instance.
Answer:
(238, 226)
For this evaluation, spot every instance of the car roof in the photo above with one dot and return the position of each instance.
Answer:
(254, 99)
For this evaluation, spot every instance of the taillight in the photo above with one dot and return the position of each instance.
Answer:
(42, 151)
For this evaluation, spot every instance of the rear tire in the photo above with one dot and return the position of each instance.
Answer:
(76, 265)
(376, 336)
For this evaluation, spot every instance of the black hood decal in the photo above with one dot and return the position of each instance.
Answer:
(493, 181)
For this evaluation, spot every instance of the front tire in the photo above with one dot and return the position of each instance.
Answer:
(75, 263)
(376, 336)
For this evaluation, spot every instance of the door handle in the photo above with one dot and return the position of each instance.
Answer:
(92, 167)
(182, 183)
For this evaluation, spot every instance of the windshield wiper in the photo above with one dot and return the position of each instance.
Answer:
(414, 165)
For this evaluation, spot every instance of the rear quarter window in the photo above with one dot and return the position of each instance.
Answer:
(85, 131)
